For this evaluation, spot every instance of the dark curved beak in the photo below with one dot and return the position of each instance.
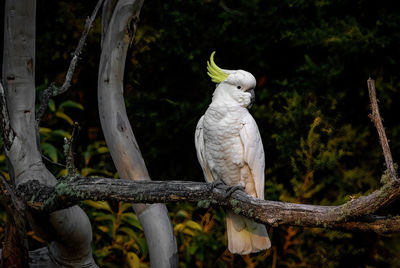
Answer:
(252, 99)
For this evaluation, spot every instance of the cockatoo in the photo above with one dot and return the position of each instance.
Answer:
(229, 149)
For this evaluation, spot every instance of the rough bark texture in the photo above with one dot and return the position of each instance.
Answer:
(5, 127)
(15, 245)
(69, 229)
(119, 22)
(353, 215)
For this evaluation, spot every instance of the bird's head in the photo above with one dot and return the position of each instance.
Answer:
(236, 86)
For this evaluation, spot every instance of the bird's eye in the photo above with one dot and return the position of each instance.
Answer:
(239, 87)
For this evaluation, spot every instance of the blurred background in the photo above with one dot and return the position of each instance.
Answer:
(311, 60)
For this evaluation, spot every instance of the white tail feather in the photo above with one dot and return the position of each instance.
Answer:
(244, 235)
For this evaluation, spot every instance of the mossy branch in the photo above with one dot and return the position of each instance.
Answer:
(353, 215)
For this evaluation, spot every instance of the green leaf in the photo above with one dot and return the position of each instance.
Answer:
(131, 219)
(102, 252)
(62, 173)
(140, 241)
(194, 225)
(104, 229)
(132, 260)
(124, 207)
(70, 104)
(127, 231)
(188, 232)
(182, 214)
(102, 150)
(86, 157)
(65, 117)
(52, 105)
(44, 130)
(192, 249)
(98, 205)
(50, 151)
(106, 217)
(61, 133)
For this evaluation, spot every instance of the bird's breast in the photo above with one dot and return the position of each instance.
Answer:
(223, 147)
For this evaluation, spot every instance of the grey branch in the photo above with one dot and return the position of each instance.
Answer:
(52, 90)
(5, 127)
(376, 119)
(353, 215)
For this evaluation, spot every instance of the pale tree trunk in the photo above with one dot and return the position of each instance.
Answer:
(119, 22)
(69, 229)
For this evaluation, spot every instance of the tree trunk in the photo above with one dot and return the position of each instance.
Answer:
(69, 229)
(118, 31)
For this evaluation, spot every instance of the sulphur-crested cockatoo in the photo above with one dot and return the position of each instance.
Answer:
(229, 149)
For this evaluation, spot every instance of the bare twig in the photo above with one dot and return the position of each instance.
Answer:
(69, 147)
(230, 10)
(5, 127)
(52, 90)
(52, 162)
(376, 119)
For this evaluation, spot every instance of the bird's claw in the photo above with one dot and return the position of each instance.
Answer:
(215, 184)
(233, 189)
(229, 191)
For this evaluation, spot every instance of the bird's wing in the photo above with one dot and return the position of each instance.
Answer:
(199, 142)
(253, 152)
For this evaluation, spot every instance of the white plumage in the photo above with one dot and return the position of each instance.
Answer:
(229, 148)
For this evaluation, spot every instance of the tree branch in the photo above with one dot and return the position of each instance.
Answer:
(353, 215)
(52, 90)
(376, 119)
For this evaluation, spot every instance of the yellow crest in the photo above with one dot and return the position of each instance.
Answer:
(216, 73)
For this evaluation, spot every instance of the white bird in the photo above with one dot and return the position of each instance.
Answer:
(229, 149)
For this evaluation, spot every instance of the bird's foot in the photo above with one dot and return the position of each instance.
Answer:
(215, 183)
(229, 191)
(233, 189)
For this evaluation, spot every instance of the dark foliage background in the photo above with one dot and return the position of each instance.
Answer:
(311, 60)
